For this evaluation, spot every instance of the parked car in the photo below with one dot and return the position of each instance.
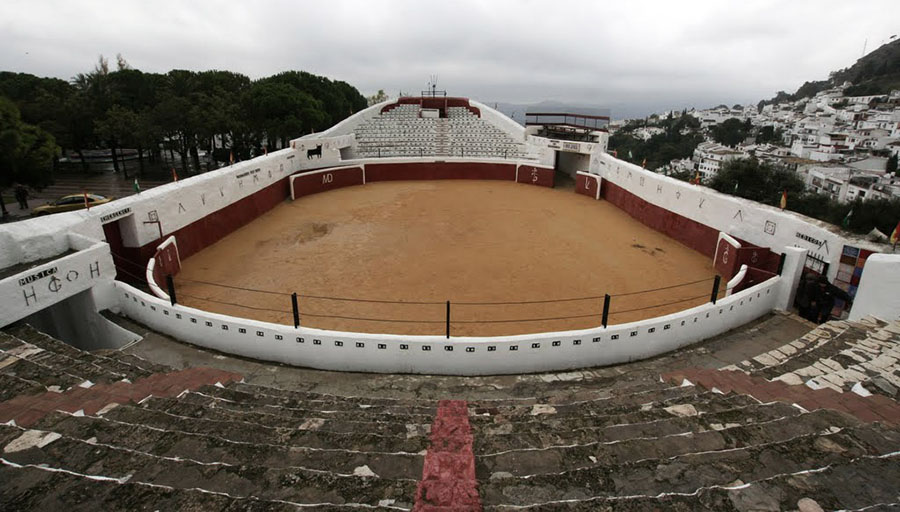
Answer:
(69, 203)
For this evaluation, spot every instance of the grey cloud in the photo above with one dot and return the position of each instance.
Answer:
(635, 55)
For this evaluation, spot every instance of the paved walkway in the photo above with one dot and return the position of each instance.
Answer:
(106, 184)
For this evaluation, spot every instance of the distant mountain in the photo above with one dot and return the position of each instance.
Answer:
(876, 73)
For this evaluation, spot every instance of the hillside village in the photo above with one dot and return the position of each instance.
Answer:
(839, 144)
(842, 144)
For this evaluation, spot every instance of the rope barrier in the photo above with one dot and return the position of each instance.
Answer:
(501, 303)
(366, 319)
(660, 305)
(232, 287)
(428, 303)
(663, 288)
(515, 320)
(142, 278)
(207, 299)
(376, 301)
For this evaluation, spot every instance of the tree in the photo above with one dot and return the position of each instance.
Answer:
(891, 164)
(118, 127)
(756, 180)
(377, 98)
(768, 134)
(27, 152)
(730, 132)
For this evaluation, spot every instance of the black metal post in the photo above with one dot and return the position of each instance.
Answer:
(715, 290)
(296, 310)
(448, 319)
(781, 263)
(170, 283)
(605, 319)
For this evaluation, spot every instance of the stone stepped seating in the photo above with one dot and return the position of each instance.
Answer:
(837, 355)
(713, 445)
(244, 479)
(242, 446)
(635, 437)
(401, 132)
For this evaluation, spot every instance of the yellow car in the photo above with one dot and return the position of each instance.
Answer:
(69, 203)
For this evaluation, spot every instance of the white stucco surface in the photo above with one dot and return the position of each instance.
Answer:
(879, 289)
(44, 285)
(385, 353)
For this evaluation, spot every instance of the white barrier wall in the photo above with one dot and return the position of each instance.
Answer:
(39, 287)
(759, 224)
(332, 350)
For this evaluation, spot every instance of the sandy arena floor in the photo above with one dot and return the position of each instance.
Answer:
(433, 241)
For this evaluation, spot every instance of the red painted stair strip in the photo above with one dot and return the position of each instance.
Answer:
(27, 410)
(448, 478)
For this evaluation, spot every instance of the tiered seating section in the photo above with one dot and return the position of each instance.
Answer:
(622, 439)
(402, 132)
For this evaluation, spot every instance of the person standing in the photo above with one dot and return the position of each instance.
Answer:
(828, 293)
(21, 194)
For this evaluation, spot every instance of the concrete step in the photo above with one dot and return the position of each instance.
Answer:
(216, 447)
(682, 473)
(499, 439)
(296, 484)
(358, 421)
(597, 451)
(264, 434)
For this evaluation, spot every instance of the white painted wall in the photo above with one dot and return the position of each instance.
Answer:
(32, 290)
(879, 289)
(333, 350)
(759, 224)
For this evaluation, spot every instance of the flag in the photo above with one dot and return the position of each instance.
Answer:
(174, 175)
(895, 235)
(231, 158)
(644, 163)
(696, 180)
(87, 203)
(137, 187)
(784, 200)
(266, 149)
(615, 154)
(736, 186)
(846, 222)
(630, 155)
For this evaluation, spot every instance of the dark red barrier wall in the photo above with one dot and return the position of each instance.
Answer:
(313, 183)
(695, 235)
(587, 185)
(727, 259)
(204, 232)
(541, 176)
(167, 260)
(758, 257)
(440, 171)
(754, 276)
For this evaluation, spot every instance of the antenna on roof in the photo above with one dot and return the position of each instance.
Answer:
(432, 85)
(432, 88)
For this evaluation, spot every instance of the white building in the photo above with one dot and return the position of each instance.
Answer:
(710, 156)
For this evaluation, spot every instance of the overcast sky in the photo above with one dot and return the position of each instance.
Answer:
(635, 57)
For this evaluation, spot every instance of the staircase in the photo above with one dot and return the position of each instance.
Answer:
(125, 433)
(442, 138)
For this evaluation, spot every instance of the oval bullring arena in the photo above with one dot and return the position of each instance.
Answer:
(503, 254)
(429, 306)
